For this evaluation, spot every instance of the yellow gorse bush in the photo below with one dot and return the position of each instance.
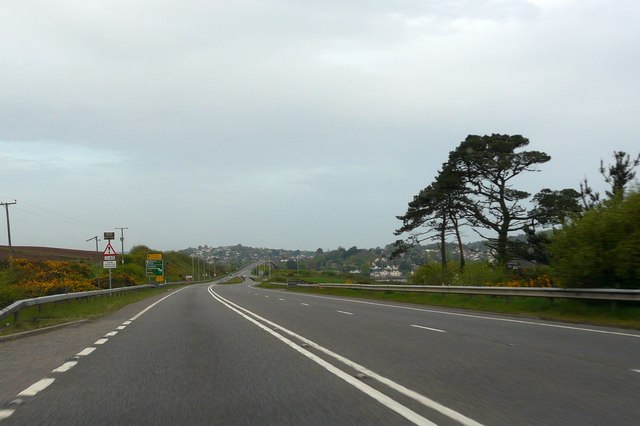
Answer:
(541, 281)
(52, 277)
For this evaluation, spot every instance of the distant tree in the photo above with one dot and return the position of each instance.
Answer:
(351, 252)
(487, 165)
(433, 214)
(618, 175)
(588, 196)
(555, 207)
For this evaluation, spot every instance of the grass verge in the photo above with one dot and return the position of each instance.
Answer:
(55, 313)
(620, 314)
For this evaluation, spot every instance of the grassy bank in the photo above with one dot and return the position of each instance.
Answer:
(576, 311)
(35, 317)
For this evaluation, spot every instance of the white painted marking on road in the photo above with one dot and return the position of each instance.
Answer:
(428, 328)
(85, 351)
(304, 304)
(457, 314)
(407, 413)
(37, 387)
(346, 313)
(266, 296)
(121, 327)
(65, 367)
(126, 323)
(5, 414)
(427, 402)
(101, 341)
(111, 334)
(139, 314)
(637, 371)
(280, 299)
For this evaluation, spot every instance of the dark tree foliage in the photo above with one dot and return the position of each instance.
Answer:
(620, 173)
(535, 248)
(437, 211)
(588, 196)
(555, 207)
(488, 164)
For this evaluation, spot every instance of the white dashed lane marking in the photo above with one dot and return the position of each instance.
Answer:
(41, 385)
(85, 351)
(428, 328)
(346, 313)
(304, 304)
(5, 414)
(65, 367)
(280, 299)
(37, 387)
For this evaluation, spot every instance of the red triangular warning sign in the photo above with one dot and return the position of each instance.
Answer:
(109, 250)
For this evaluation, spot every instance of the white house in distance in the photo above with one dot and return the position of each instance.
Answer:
(388, 272)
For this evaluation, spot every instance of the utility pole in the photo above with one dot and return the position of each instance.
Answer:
(97, 256)
(6, 208)
(122, 242)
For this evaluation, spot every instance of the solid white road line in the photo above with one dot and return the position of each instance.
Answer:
(37, 387)
(427, 402)
(407, 413)
(85, 351)
(101, 341)
(4, 414)
(65, 367)
(139, 314)
(428, 328)
(346, 313)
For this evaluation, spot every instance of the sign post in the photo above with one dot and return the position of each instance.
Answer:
(109, 255)
(155, 266)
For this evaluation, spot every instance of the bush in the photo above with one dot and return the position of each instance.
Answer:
(601, 249)
(475, 274)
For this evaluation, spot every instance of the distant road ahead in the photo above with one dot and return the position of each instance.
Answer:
(235, 354)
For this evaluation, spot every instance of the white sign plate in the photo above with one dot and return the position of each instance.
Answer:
(109, 257)
(109, 264)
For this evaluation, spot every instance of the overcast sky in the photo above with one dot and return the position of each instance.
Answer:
(292, 124)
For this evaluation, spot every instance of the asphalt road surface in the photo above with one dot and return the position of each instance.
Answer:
(236, 354)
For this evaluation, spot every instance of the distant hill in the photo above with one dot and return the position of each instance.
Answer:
(338, 260)
(50, 253)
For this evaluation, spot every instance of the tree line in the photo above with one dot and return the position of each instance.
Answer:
(475, 189)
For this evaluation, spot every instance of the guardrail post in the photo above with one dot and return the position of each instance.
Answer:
(16, 315)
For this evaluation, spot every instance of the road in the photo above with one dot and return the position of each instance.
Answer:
(237, 354)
